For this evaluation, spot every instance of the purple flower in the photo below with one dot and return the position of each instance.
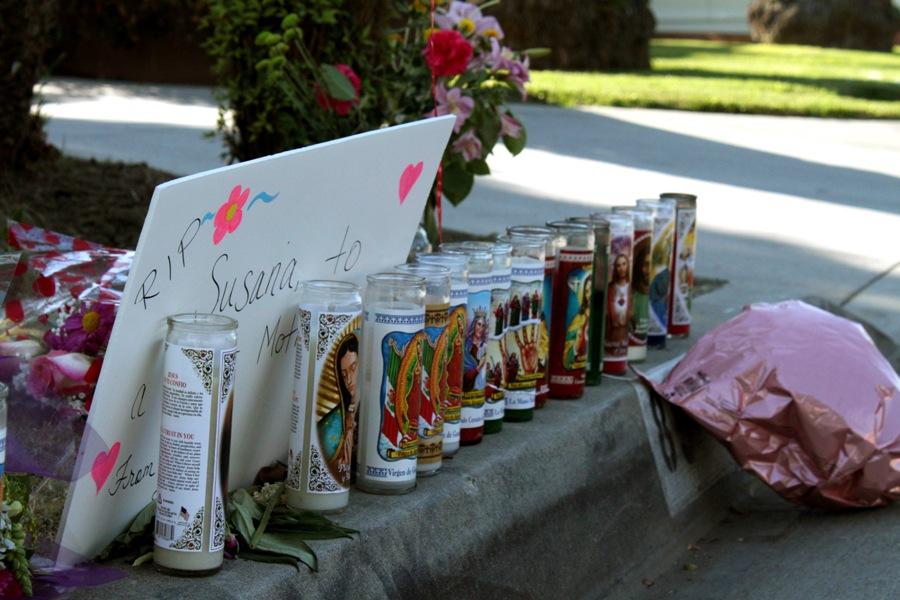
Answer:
(509, 126)
(231, 546)
(502, 58)
(468, 145)
(461, 15)
(489, 27)
(454, 103)
(86, 330)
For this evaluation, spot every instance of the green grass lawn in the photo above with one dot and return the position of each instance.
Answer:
(740, 78)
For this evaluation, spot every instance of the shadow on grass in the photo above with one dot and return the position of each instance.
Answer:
(854, 88)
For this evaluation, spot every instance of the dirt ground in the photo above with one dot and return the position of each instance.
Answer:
(100, 201)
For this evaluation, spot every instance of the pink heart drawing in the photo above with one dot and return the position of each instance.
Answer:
(408, 179)
(104, 464)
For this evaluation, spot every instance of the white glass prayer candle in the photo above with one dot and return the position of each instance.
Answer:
(325, 396)
(435, 388)
(456, 337)
(393, 368)
(194, 443)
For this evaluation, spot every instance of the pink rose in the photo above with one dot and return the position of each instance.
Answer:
(59, 373)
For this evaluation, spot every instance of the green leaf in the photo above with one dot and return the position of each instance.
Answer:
(264, 521)
(243, 510)
(537, 52)
(289, 544)
(457, 182)
(337, 84)
(266, 557)
(516, 144)
(478, 166)
(489, 130)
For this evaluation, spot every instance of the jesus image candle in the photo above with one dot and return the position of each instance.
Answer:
(661, 258)
(641, 265)
(325, 396)
(194, 443)
(618, 292)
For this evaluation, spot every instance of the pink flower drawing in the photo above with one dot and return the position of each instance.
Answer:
(229, 215)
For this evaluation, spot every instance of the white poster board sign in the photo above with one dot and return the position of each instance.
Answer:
(238, 241)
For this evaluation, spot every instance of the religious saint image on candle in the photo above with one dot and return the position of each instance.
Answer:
(436, 354)
(578, 318)
(476, 345)
(640, 290)
(686, 269)
(455, 336)
(524, 363)
(401, 394)
(659, 284)
(337, 401)
(618, 298)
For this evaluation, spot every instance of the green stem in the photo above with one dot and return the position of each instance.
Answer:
(261, 529)
(142, 559)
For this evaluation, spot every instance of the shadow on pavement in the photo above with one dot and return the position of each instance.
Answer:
(599, 137)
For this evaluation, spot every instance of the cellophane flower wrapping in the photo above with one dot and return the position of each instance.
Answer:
(61, 298)
(803, 400)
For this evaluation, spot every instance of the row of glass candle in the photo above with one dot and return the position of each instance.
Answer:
(445, 350)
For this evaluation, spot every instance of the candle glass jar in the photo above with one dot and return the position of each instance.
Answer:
(663, 240)
(551, 243)
(194, 443)
(456, 335)
(618, 292)
(495, 384)
(522, 368)
(325, 399)
(641, 265)
(480, 257)
(570, 333)
(393, 370)
(594, 369)
(436, 357)
(681, 288)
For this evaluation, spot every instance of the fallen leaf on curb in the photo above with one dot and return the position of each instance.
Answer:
(647, 582)
(689, 567)
(693, 548)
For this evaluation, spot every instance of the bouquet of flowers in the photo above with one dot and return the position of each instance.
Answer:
(59, 297)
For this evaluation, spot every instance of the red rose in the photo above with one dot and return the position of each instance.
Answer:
(447, 53)
(341, 107)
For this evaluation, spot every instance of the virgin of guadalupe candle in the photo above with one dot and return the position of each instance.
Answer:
(570, 333)
(436, 354)
(551, 243)
(456, 337)
(681, 289)
(494, 390)
(326, 396)
(594, 373)
(478, 305)
(663, 239)
(194, 443)
(393, 371)
(639, 323)
(520, 346)
(618, 292)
